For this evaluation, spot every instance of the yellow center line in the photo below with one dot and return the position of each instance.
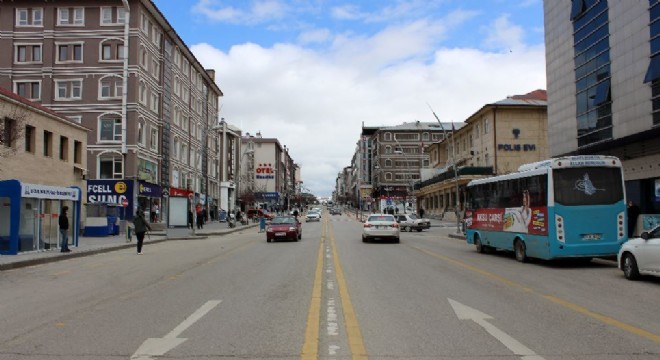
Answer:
(355, 340)
(561, 302)
(311, 345)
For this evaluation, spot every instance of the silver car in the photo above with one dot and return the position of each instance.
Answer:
(380, 226)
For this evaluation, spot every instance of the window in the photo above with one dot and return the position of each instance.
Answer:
(111, 168)
(140, 133)
(27, 53)
(64, 148)
(143, 92)
(111, 87)
(425, 136)
(71, 16)
(30, 133)
(68, 89)
(153, 105)
(605, 181)
(155, 36)
(76, 118)
(486, 126)
(110, 128)
(30, 17)
(77, 152)
(7, 137)
(112, 50)
(154, 139)
(155, 68)
(28, 89)
(106, 16)
(387, 136)
(145, 24)
(388, 163)
(175, 149)
(48, 143)
(72, 52)
(121, 15)
(144, 58)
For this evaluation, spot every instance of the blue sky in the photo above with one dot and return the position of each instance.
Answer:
(310, 73)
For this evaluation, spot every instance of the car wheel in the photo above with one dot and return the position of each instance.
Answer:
(364, 239)
(520, 250)
(477, 243)
(630, 269)
(406, 228)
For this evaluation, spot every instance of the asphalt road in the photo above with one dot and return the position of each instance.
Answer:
(329, 296)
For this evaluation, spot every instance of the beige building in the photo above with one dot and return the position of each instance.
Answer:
(495, 140)
(45, 152)
(46, 148)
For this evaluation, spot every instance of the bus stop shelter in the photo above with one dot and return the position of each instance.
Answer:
(29, 216)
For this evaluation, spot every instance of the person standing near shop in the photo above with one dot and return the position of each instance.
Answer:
(141, 227)
(64, 230)
(633, 213)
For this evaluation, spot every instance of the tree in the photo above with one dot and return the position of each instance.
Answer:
(12, 128)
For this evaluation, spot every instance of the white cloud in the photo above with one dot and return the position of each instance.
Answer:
(314, 36)
(501, 34)
(315, 102)
(258, 11)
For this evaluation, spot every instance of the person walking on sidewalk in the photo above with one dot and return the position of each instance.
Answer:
(141, 227)
(64, 230)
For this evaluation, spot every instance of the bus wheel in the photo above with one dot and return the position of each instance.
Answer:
(477, 243)
(521, 251)
(630, 270)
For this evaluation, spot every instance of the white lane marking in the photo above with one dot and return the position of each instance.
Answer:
(160, 346)
(332, 349)
(464, 312)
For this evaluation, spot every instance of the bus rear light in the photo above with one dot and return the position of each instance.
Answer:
(620, 229)
(559, 228)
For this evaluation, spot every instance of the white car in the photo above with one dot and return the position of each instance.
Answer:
(380, 226)
(641, 255)
(312, 216)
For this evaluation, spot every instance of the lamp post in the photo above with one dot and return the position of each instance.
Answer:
(453, 156)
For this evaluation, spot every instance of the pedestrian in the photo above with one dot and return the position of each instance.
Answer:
(295, 213)
(421, 212)
(633, 213)
(190, 219)
(262, 223)
(141, 226)
(200, 218)
(64, 230)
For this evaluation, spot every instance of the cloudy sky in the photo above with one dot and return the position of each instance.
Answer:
(311, 73)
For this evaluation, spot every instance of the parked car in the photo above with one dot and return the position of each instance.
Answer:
(380, 226)
(256, 213)
(410, 222)
(641, 255)
(335, 211)
(284, 228)
(312, 216)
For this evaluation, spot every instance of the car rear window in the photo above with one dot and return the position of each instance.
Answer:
(381, 218)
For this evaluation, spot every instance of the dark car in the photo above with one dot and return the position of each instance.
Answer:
(335, 211)
(284, 228)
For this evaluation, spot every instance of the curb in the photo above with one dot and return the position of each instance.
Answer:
(89, 252)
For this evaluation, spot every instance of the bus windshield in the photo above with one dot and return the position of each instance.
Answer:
(587, 186)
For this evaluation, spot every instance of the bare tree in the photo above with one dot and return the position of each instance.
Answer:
(12, 129)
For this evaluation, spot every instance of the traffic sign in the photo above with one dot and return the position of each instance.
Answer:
(124, 202)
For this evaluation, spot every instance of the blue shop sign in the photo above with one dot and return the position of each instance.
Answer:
(148, 189)
(111, 192)
(267, 195)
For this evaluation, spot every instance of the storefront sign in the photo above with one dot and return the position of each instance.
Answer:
(265, 171)
(657, 189)
(110, 191)
(148, 190)
(48, 192)
(267, 195)
(176, 192)
(516, 147)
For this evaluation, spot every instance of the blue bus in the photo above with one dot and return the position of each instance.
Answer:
(568, 207)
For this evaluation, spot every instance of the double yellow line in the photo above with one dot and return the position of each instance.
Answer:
(354, 335)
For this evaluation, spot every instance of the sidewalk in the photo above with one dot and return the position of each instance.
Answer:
(97, 245)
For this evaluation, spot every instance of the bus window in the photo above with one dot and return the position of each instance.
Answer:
(587, 186)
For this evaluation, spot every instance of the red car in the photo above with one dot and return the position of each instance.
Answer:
(285, 228)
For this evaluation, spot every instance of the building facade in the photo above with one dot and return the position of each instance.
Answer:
(268, 174)
(119, 69)
(495, 140)
(392, 159)
(603, 75)
(45, 151)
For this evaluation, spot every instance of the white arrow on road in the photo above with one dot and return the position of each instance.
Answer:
(465, 312)
(160, 346)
